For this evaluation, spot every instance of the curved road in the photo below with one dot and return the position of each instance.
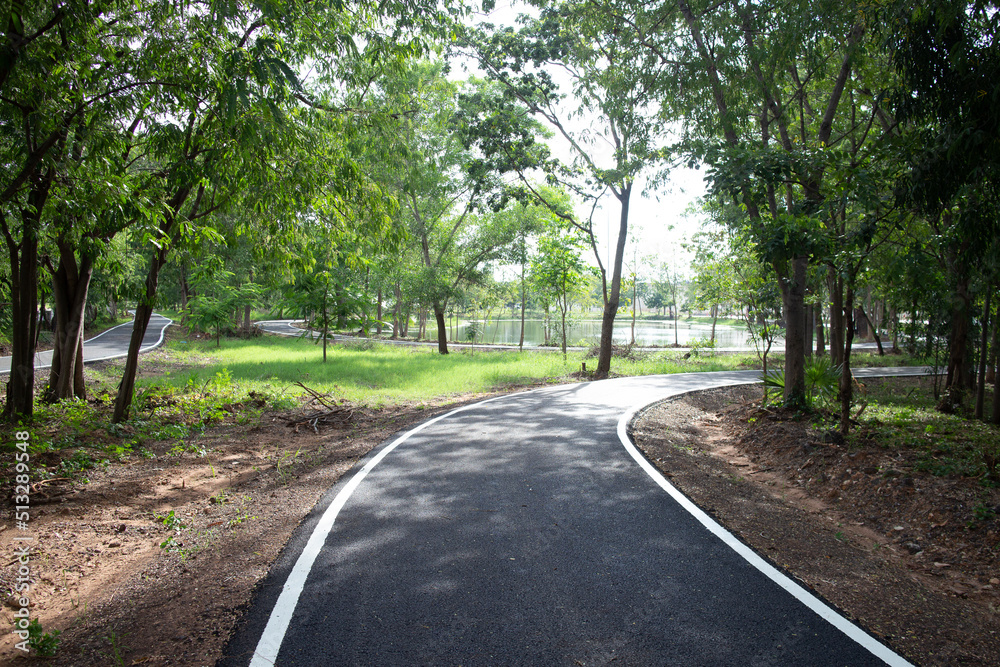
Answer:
(110, 344)
(526, 530)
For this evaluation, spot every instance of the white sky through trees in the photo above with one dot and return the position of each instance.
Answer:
(661, 218)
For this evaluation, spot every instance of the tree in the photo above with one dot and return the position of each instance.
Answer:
(558, 269)
(67, 68)
(249, 134)
(153, 116)
(948, 58)
(714, 275)
(761, 90)
(583, 42)
(529, 219)
(452, 201)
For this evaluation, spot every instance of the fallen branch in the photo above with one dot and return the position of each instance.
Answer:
(318, 397)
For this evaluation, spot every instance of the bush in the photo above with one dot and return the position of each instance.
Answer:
(822, 380)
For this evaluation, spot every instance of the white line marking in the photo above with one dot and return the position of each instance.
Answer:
(805, 597)
(266, 652)
(269, 644)
(153, 346)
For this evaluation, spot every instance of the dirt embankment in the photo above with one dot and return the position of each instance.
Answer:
(901, 552)
(151, 561)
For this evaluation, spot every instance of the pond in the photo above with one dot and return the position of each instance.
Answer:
(587, 332)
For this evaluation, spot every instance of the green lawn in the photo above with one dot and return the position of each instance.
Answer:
(192, 384)
(368, 373)
(373, 373)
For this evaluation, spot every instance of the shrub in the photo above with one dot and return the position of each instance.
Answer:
(822, 380)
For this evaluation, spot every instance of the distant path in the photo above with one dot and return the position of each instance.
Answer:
(110, 344)
(526, 529)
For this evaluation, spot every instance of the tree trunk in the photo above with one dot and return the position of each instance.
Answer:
(144, 308)
(564, 306)
(43, 315)
(406, 320)
(996, 370)
(836, 333)
(70, 284)
(958, 371)
(991, 370)
(442, 327)
(563, 333)
(24, 312)
(611, 303)
(820, 333)
(143, 311)
(861, 323)
(874, 331)
(79, 384)
(396, 311)
(808, 344)
(983, 352)
(715, 318)
(846, 380)
(378, 314)
(520, 343)
(123, 401)
(793, 292)
(894, 319)
(677, 313)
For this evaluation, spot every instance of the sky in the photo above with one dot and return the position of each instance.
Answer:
(660, 220)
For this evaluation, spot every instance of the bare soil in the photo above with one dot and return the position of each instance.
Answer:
(902, 553)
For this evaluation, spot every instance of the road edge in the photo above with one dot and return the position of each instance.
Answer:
(823, 609)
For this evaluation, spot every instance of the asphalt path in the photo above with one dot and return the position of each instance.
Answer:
(110, 344)
(527, 530)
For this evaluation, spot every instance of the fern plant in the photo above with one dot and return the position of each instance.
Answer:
(822, 380)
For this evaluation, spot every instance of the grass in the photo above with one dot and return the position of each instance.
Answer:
(192, 385)
(901, 416)
(377, 374)
(369, 374)
(69, 437)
